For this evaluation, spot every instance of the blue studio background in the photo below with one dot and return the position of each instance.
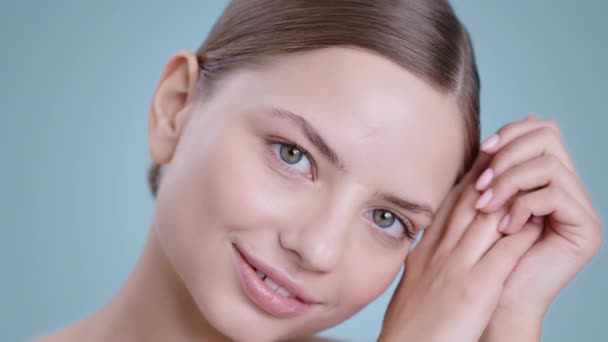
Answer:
(77, 78)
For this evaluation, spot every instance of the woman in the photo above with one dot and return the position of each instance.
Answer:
(297, 156)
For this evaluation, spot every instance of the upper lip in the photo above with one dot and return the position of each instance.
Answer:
(282, 279)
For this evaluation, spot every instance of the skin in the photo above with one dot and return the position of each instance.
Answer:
(222, 184)
(546, 231)
(533, 173)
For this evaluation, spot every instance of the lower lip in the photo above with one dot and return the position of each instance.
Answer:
(262, 295)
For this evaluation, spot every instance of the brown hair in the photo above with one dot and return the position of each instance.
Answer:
(424, 36)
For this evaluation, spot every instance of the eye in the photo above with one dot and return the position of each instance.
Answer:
(292, 157)
(391, 225)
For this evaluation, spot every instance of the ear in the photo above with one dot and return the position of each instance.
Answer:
(171, 105)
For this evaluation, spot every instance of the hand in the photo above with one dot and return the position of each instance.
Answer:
(455, 275)
(532, 173)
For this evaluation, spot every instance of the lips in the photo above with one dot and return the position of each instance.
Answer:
(271, 289)
(273, 285)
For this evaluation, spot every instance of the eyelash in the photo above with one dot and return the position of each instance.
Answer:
(282, 164)
(407, 226)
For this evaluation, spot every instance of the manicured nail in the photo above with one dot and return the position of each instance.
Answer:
(537, 219)
(484, 199)
(484, 180)
(504, 223)
(490, 143)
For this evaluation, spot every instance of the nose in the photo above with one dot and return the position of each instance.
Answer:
(319, 240)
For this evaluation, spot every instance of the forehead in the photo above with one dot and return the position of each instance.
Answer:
(391, 130)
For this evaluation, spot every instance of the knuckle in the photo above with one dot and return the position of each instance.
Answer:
(520, 205)
(504, 210)
(551, 135)
(597, 241)
(595, 248)
(468, 190)
(482, 216)
(554, 126)
(555, 193)
(595, 215)
(505, 182)
(491, 218)
(501, 185)
(499, 163)
(552, 162)
(506, 129)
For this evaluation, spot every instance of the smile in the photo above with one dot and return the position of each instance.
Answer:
(273, 285)
(269, 288)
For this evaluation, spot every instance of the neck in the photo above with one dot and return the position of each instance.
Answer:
(154, 305)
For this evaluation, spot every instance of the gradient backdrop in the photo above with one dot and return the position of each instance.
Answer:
(77, 77)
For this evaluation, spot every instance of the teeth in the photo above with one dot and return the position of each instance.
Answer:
(274, 286)
(271, 283)
(283, 292)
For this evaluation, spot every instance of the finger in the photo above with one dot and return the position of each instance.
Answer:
(529, 145)
(513, 130)
(479, 237)
(566, 216)
(509, 132)
(460, 218)
(461, 211)
(463, 195)
(533, 174)
(501, 259)
(531, 117)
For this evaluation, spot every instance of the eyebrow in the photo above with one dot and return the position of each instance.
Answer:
(311, 133)
(315, 138)
(408, 205)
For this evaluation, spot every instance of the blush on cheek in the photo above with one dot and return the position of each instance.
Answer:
(236, 186)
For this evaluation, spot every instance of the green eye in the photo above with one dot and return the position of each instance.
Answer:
(290, 154)
(292, 158)
(383, 218)
(392, 225)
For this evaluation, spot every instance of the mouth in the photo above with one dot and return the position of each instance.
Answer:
(271, 289)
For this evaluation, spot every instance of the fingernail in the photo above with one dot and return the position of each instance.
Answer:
(490, 143)
(531, 117)
(537, 219)
(484, 199)
(485, 179)
(504, 223)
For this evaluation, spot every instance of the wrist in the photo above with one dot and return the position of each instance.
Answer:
(514, 326)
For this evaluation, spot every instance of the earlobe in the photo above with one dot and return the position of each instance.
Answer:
(170, 108)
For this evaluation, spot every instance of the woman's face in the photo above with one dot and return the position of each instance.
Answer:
(318, 170)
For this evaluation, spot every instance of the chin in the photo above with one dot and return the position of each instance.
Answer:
(232, 301)
(239, 324)
(227, 308)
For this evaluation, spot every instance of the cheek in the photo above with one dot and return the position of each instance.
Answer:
(365, 278)
(238, 190)
(208, 189)
(213, 189)
(372, 282)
